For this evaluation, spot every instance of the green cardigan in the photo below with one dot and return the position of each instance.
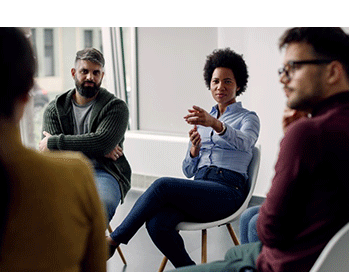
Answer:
(108, 124)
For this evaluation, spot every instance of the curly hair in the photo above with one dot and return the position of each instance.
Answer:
(227, 58)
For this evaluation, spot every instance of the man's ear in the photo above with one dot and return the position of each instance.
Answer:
(335, 72)
(73, 72)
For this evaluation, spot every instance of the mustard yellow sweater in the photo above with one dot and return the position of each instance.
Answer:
(55, 219)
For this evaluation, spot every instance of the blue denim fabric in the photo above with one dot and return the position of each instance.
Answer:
(169, 201)
(108, 190)
(248, 225)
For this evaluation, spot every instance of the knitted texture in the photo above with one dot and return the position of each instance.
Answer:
(108, 124)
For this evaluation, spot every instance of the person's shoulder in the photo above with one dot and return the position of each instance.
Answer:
(66, 158)
(60, 98)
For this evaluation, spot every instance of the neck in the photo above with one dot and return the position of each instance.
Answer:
(222, 107)
(81, 100)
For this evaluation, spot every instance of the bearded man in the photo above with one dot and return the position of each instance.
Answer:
(91, 120)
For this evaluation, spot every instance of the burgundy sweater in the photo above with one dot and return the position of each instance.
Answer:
(309, 197)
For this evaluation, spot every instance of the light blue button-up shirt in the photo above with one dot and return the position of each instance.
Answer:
(233, 149)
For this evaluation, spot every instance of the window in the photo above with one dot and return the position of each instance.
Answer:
(55, 49)
(49, 53)
(88, 38)
(33, 35)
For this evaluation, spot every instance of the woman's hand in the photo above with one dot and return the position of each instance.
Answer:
(198, 116)
(195, 140)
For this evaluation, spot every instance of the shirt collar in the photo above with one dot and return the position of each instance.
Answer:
(231, 107)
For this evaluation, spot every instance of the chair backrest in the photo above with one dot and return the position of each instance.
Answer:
(252, 172)
(334, 257)
(253, 169)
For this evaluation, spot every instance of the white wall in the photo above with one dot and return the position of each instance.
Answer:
(170, 68)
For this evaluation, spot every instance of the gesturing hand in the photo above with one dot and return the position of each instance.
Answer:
(116, 153)
(198, 116)
(195, 139)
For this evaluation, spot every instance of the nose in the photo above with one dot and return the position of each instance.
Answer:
(220, 85)
(284, 78)
(90, 76)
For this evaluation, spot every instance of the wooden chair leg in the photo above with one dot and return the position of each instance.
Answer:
(118, 248)
(163, 264)
(204, 246)
(232, 234)
(121, 255)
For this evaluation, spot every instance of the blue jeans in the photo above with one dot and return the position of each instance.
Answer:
(248, 225)
(108, 190)
(215, 193)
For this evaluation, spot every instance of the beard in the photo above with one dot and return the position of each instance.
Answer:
(87, 91)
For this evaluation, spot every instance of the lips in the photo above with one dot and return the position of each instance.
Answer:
(287, 91)
(89, 84)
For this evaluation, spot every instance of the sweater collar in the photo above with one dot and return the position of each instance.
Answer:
(331, 102)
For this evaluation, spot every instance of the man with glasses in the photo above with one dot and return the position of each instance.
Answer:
(307, 202)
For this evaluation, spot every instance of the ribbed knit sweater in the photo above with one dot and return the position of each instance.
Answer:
(108, 124)
(308, 200)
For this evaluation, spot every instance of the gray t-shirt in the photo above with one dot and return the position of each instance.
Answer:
(82, 115)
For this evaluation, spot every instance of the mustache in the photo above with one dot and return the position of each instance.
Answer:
(287, 89)
(89, 82)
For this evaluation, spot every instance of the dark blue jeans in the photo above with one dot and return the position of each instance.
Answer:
(215, 193)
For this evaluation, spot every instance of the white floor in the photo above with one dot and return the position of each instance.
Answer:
(142, 255)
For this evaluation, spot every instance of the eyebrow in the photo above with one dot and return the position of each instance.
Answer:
(223, 78)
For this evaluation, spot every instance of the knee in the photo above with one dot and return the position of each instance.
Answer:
(110, 206)
(161, 186)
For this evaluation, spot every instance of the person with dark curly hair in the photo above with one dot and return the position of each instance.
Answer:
(218, 155)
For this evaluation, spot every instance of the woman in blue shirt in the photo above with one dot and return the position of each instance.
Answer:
(219, 153)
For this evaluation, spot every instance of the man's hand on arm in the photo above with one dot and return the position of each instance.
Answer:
(115, 153)
(43, 143)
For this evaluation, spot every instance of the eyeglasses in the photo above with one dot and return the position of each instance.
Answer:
(291, 66)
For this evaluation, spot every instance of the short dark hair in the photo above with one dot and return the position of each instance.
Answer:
(227, 58)
(18, 64)
(90, 54)
(327, 42)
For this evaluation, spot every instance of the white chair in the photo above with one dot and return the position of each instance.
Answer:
(252, 173)
(334, 257)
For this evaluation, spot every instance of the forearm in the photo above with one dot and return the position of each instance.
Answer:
(107, 131)
(94, 144)
(189, 165)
